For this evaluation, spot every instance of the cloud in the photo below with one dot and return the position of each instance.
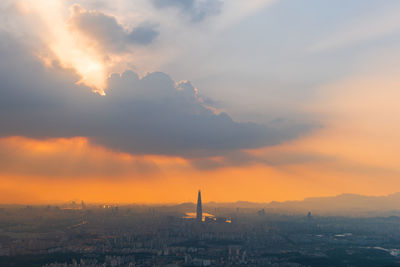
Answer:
(107, 33)
(196, 10)
(274, 158)
(148, 115)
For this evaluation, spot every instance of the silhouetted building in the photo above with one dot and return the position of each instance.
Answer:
(199, 211)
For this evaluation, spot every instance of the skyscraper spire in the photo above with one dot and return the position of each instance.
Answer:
(199, 212)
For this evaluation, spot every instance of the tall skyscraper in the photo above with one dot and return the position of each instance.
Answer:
(199, 212)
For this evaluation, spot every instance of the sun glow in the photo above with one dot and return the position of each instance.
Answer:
(67, 46)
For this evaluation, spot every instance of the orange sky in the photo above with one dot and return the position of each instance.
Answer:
(354, 151)
(338, 165)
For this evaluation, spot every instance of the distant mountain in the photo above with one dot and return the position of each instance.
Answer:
(341, 205)
(345, 204)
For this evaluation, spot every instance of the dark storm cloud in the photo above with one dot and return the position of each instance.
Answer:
(149, 115)
(197, 10)
(275, 159)
(107, 32)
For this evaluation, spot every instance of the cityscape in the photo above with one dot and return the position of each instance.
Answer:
(230, 234)
(181, 133)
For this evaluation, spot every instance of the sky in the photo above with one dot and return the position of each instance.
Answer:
(147, 101)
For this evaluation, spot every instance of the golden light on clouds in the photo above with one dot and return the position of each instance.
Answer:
(69, 47)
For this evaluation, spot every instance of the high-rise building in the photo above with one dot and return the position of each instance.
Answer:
(199, 211)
